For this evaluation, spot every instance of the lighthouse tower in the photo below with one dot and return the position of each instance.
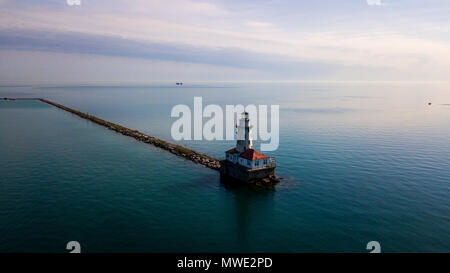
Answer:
(244, 138)
(245, 163)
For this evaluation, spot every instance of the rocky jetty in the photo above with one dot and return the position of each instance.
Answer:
(178, 150)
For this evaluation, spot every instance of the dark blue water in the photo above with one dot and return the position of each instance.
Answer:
(361, 162)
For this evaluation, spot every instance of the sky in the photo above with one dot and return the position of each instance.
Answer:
(144, 41)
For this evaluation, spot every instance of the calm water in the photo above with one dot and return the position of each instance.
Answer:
(361, 162)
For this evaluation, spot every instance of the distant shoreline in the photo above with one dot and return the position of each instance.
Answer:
(20, 98)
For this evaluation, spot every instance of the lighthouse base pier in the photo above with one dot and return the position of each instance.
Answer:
(237, 173)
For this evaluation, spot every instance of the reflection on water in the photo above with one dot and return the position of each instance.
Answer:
(252, 204)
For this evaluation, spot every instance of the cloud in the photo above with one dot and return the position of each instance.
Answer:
(223, 34)
(33, 67)
(258, 24)
(104, 45)
(374, 2)
(371, 48)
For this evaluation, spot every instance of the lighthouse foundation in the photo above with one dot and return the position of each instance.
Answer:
(235, 172)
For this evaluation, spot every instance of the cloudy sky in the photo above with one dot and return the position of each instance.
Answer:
(140, 41)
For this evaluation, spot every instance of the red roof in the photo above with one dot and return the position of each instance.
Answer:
(251, 154)
(231, 151)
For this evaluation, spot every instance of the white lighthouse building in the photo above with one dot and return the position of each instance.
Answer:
(244, 154)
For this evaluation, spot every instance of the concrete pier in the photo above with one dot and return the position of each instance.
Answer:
(258, 176)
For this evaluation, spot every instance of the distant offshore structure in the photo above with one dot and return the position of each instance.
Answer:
(179, 83)
(245, 164)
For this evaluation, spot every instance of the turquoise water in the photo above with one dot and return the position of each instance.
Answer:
(360, 162)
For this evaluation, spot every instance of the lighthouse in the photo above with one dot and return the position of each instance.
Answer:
(244, 140)
(243, 162)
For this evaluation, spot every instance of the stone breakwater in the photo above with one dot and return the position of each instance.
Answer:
(178, 150)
